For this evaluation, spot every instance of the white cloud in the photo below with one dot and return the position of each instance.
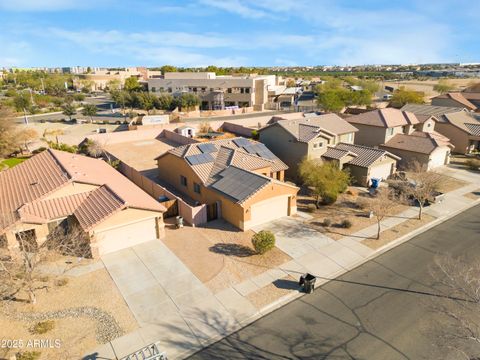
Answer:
(237, 7)
(49, 5)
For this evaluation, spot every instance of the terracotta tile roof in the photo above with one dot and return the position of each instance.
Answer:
(385, 118)
(100, 204)
(463, 121)
(43, 211)
(26, 184)
(307, 129)
(366, 156)
(418, 141)
(239, 153)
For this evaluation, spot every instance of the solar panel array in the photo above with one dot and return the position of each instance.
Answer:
(207, 148)
(261, 150)
(199, 159)
(241, 142)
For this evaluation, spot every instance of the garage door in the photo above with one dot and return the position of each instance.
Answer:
(268, 210)
(126, 236)
(381, 171)
(437, 158)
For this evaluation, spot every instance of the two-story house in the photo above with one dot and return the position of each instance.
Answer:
(411, 137)
(238, 179)
(326, 138)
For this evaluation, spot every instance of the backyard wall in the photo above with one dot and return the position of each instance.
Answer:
(193, 215)
(237, 129)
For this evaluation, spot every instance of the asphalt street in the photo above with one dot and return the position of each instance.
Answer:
(380, 310)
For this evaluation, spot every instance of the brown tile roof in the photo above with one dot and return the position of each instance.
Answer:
(100, 204)
(337, 154)
(458, 97)
(26, 186)
(309, 128)
(420, 142)
(429, 110)
(463, 121)
(366, 156)
(244, 155)
(385, 118)
(43, 211)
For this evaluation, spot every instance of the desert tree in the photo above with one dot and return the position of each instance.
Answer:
(8, 140)
(25, 137)
(89, 110)
(22, 267)
(423, 184)
(69, 110)
(457, 325)
(381, 205)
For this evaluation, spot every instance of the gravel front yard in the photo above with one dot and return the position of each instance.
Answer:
(87, 312)
(220, 255)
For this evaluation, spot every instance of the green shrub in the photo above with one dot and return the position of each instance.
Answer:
(473, 164)
(347, 224)
(327, 222)
(42, 327)
(311, 208)
(263, 241)
(329, 199)
(28, 355)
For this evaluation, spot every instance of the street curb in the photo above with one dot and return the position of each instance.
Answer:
(286, 299)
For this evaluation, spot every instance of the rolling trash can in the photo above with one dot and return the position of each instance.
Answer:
(308, 282)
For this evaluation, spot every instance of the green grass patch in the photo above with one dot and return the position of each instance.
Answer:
(11, 162)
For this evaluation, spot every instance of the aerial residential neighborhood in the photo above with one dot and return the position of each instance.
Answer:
(238, 180)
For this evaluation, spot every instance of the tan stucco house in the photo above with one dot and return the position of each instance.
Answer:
(239, 180)
(294, 140)
(409, 136)
(56, 188)
(326, 138)
(463, 130)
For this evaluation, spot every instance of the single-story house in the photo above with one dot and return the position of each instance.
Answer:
(363, 162)
(56, 188)
(238, 179)
(429, 149)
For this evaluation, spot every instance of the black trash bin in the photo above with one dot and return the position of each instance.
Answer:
(308, 282)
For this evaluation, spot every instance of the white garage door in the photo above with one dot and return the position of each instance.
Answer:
(437, 158)
(126, 236)
(381, 171)
(268, 210)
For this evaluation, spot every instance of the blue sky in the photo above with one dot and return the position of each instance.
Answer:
(237, 32)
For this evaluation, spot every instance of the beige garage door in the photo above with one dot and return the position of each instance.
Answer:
(381, 171)
(125, 236)
(269, 210)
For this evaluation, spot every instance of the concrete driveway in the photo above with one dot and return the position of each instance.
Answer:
(311, 250)
(169, 303)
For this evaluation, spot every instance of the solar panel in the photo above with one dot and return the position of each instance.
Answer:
(267, 154)
(241, 142)
(207, 148)
(199, 159)
(252, 149)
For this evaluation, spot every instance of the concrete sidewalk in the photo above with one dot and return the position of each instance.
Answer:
(172, 306)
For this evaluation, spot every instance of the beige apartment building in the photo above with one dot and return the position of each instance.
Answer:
(217, 92)
(100, 79)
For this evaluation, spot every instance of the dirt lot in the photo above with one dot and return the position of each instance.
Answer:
(220, 255)
(77, 335)
(427, 85)
(345, 208)
(397, 231)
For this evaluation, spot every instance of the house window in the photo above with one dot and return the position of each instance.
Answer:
(229, 90)
(390, 131)
(183, 180)
(196, 187)
(428, 124)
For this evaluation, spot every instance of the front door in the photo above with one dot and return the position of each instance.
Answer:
(212, 211)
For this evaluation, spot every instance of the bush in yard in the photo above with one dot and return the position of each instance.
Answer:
(61, 282)
(347, 224)
(329, 198)
(42, 327)
(473, 164)
(28, 355)
(311, 208)
(327, 222)
(263, 241)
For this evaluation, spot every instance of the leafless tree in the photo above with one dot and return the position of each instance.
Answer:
(425, 184)
(458, 327)
(381, 206)
(21, 268)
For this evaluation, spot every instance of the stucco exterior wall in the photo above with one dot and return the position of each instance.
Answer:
(285, 147)
(369, 135)
(408, 157)
(458, 138)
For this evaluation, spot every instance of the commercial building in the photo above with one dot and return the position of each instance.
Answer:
(217, 92)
